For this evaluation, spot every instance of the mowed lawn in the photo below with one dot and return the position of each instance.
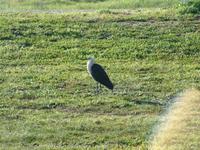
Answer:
(47, 98)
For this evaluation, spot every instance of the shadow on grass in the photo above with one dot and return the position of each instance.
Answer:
(145, 102)
(169, 100)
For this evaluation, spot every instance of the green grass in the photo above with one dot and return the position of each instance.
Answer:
(84, 4)
(192, 7)
(47, 98)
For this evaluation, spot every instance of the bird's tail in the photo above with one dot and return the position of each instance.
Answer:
(110, 86)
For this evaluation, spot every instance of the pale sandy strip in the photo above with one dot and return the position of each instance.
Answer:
(180, 129)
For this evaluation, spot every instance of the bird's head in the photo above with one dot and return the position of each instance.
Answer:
(91, 59)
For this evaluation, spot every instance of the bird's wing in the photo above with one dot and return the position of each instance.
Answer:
(99, 74)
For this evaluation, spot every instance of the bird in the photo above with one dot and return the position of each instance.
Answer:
(98, 74)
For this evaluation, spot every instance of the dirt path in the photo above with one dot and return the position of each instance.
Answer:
(49, 11)
(180, 127)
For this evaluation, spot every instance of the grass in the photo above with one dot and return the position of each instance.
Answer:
(47, 97)
(181, 127)
(84, 4)
(192, 7)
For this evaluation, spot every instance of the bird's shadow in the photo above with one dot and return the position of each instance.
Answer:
(148, 102)
(169, 99)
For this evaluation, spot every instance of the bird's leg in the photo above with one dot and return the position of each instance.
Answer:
(97, 88)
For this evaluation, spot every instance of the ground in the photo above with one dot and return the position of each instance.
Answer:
(179, 128)
(48, 100)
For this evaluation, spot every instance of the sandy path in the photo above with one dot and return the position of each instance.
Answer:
(180, 127)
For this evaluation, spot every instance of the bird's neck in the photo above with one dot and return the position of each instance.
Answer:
(89, 65)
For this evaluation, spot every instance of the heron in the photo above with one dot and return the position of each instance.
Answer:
(98, 74)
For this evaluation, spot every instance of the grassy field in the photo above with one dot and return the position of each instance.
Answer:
(84, 4)
(180, 128)
(47, 98)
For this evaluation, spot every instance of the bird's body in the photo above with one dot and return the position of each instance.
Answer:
(99, 74)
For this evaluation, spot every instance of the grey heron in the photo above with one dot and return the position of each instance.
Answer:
(98, 74)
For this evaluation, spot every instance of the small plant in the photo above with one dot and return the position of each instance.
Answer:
(191, 7)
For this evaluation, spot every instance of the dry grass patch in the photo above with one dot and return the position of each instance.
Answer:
(181, 126)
